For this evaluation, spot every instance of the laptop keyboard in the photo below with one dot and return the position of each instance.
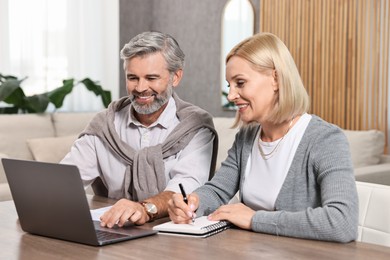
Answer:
(105, 235)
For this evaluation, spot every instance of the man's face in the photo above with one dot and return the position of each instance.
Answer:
(149, 83)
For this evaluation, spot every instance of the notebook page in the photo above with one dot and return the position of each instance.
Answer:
(97, 213)
(201, 226)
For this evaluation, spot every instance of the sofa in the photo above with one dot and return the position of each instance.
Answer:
(48, 137)
(42, 137)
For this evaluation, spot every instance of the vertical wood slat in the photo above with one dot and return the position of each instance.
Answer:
(382, 50)
(366, 61)
(352, 61)
(310, 68)
(374, 67)
(378, 65)
(343, 74)
(333, 43)
(387, 64)
(360, 54)
(323, 63)
(343, 66)
(386, 57)
(349, 60)
(317, 56)
(326, 85)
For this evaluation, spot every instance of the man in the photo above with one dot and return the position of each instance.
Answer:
(145, 144)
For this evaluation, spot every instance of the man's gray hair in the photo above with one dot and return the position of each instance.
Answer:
(151, 42)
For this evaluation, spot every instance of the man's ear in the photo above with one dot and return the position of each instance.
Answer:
(177, 76)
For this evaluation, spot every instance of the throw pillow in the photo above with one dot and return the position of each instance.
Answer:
(366, 146)
(50, 149)
(3, 179)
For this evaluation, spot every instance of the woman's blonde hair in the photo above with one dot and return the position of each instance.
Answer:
(265, 51)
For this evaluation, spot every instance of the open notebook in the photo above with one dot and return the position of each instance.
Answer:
(202, 227)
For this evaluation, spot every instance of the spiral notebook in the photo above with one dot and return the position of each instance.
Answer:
(202, 227)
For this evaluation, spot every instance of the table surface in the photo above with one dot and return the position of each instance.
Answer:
(229, 244)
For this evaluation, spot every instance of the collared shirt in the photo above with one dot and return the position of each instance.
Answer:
(191, 166)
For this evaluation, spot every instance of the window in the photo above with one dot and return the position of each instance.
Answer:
(49, 41)
(237, 24)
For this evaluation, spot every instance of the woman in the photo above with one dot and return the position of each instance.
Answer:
(293, 170)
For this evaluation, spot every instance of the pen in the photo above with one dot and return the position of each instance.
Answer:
(183, 193)
(185, 198)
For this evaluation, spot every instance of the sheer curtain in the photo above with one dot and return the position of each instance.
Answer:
(238, 23)
(48, 41)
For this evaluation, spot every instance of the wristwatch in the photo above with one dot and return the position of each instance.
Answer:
(151, 209)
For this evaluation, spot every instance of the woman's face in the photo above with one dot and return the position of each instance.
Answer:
(254, 93)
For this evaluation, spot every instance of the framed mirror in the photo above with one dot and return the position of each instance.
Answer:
(237, 24)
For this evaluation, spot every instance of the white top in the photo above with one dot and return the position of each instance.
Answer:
(191, 166)
(264, 178)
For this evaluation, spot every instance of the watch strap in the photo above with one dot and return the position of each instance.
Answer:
(151, 215)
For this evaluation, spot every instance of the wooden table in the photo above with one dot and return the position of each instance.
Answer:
(230, 244)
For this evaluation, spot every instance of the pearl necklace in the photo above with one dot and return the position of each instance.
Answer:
(267, 156)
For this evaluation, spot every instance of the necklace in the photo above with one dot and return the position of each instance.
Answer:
(267, 156)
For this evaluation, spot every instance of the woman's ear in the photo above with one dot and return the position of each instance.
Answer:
(275, 80)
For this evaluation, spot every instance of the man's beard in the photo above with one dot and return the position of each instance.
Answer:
(159, 101)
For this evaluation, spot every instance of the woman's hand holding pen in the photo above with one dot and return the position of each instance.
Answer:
(180, 212)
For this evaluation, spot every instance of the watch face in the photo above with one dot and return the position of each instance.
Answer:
(151, 208)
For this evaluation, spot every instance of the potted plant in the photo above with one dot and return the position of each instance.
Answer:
(12, 93)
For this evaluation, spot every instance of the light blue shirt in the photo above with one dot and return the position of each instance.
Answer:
(190, 166)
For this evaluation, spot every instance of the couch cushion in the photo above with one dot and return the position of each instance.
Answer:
(378, 173)
(16, 129)
(3, 179)
(366, 146)
(51, 149)
(5, 192)
(66, 124)
(226, 136)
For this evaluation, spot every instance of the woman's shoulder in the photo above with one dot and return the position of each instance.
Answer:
(317, 123)
(318, 129)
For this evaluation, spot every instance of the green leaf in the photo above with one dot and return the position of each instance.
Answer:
(17, 98)
(8, 88)
(9, 110)
(106, 98)
(4, 78)
(98, 90)
(37, 103)
(12, 93)
(58, 95)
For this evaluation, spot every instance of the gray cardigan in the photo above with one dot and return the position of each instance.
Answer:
(318, 199)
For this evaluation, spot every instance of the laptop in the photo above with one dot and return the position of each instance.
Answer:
(50, 201)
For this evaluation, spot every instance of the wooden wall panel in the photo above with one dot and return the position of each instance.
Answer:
(341, 48)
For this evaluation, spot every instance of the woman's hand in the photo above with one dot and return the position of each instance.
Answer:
(180, 212)
(238, 214)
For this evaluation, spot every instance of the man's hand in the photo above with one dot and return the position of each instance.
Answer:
(123, 211)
